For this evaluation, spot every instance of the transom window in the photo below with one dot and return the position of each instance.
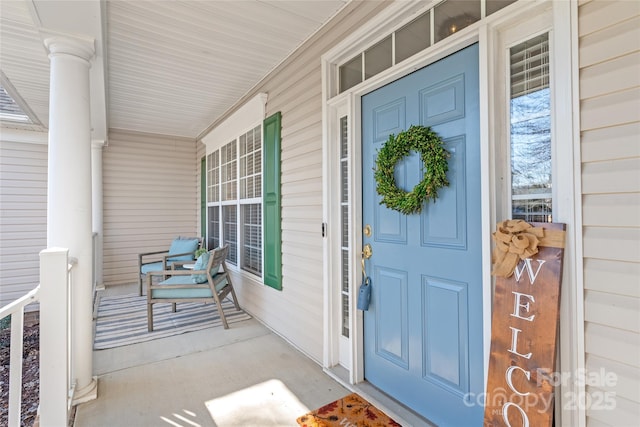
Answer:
(434, 25)
(234, 200)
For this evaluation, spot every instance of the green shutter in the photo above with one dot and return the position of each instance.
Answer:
(271, 202)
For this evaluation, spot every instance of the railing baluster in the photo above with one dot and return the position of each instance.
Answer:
(15, 309)
(15, 367)
(71, 378)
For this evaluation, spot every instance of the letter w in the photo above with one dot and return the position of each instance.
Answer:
(526, 265)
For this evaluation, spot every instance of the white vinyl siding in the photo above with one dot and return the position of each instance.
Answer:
(295, 89)
(151, 190)
(609, 58)
(23, 217)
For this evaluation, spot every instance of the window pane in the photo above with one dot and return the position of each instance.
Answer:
(345, 225)
(377, 58)
(250, 164)
(344, 166)
(413, 37)
(495, 5)
(213, 238)
(252, 238)
(530, 66)
(230, 232)
(351, 73)
(213, 171)
(343, 137)
(452, 16)
(530, 120)
(345, 315)
(228, 171)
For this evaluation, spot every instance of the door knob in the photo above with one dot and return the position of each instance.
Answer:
(367, 251)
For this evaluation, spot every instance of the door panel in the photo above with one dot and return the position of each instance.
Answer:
(446, 333)
(446, 225)
(423, 330)
(392, 340)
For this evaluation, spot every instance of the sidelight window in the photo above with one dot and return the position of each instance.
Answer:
(530, 130)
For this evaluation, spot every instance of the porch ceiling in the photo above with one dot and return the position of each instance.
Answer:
(170, 67)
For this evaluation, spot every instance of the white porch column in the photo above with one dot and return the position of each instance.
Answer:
(97, 214)
(69, 190)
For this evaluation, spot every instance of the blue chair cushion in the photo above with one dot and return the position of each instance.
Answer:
(182, 246)
(154, 266)
(184, 292)
(201, 264)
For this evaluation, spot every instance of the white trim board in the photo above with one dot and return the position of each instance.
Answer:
(25, 136)
(250, 114)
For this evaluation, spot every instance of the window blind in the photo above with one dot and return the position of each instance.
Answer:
(530, 66)
(344, 201)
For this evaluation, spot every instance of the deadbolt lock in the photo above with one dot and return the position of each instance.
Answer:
(367, 230)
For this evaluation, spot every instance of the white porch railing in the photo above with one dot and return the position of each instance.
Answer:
(57, 384)
(57, 379)
(16, 311)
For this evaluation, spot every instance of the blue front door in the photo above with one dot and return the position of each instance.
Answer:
(423, 330)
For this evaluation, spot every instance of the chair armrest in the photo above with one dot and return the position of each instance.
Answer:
(166, 273)
(166, 257)
(181, 286)
(152, 253)
(140, 256)
(180, 264)
(175, 272)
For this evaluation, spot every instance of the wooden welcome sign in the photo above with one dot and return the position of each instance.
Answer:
(528, 263)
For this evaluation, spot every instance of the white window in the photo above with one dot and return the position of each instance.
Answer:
(344, 225)
(234, 200)
(530, 130)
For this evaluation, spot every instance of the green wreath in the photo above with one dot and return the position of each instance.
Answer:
(434, 158)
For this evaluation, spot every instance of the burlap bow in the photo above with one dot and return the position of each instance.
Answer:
(515, 240)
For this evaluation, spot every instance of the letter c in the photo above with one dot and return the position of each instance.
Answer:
(509, 373)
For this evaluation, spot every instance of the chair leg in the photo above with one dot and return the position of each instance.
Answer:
(173, 307)
(150, 317)
(233, 292)
(220, 312)
(235, 299)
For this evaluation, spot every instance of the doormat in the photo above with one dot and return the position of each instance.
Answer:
(350, 411)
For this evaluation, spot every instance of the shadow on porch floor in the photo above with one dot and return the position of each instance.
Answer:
(242, 376)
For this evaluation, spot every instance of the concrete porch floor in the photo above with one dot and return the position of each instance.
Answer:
(242, 376)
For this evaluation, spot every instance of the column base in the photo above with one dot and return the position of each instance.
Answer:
(89, 392)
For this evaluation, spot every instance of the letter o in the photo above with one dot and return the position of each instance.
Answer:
(505, 415)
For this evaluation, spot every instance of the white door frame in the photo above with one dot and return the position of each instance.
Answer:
(566, 179)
